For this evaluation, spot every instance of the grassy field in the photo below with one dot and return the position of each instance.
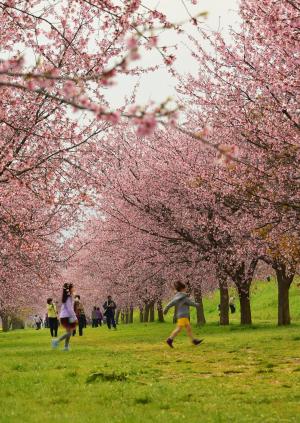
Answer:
(130, 375)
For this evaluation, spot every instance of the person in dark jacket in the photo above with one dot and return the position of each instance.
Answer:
(182, 302)
(231, 305)
(110, 309)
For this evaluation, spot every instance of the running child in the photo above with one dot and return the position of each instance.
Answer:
(67, 316)
(182, 301)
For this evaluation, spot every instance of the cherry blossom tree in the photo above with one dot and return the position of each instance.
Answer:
(57, 61)
(247, 93)
(72, 51)
(230, 204)
(166, 216)
(202, 202)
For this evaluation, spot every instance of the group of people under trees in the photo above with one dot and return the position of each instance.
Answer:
(71, 313)
(109, 314)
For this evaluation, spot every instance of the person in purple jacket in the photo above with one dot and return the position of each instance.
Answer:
(99, 316)
(67, 316)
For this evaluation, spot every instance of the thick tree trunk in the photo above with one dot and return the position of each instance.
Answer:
(200, 310)
(5, 322)
(224, 303)
(242, 276)
(146, 312)
(17, 323)
(160, 312)
(131, 315)
(244, 297)
(141, 315)
(152, 312)
(284, 281)
(126, 316)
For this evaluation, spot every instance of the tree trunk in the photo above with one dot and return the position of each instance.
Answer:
(17, 323)
(141, 315)
(224, 303)
(244, 297)
(131, 315)
(160, 312)
(5, 322)
(126, 316)
(152, 312)
(118, 316)
(242, 276)
(175, 315)
(122, 316)
(146, 312)
(200, 310)
(284, 281)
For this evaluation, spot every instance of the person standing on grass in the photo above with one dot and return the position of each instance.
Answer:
(67, 316)
(99, 316)
(232, 305)
(38, 322)
(80, 314)
(94, 318)
(110, 308)
(183, 303)
(52, 317)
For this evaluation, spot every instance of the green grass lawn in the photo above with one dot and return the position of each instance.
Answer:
(130, 375)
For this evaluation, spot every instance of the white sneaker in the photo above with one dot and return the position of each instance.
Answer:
(54, 343)
(66, 348)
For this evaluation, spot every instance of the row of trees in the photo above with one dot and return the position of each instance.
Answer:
(57, 61)
(207, 201)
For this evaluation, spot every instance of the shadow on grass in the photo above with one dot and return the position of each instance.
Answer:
(106, 377)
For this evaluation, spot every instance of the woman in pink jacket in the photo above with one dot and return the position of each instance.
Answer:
(67, 316)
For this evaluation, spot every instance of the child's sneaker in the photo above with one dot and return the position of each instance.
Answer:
(197, 341)
(54, 343)
(170, 342)
(66, 348)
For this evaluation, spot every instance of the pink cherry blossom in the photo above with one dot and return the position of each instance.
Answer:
(146, 125)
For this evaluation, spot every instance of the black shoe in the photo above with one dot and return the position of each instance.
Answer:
(197, 341)
(169, 341)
